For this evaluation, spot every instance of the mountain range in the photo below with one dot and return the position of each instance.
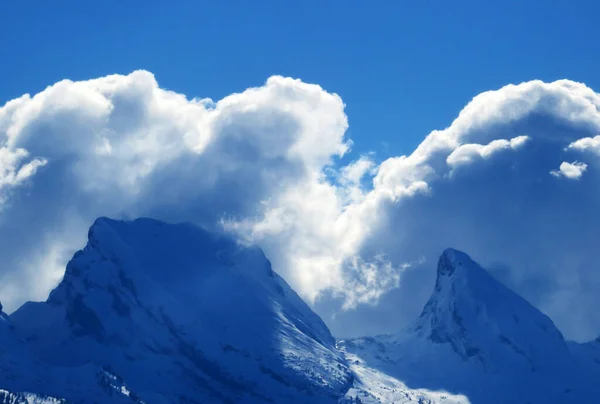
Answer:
(150, 312)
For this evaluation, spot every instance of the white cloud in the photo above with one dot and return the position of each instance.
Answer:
(467, 153)
(572, 171)
(13, 171)
(122, 146)
(370, 280)
(499, 207)
(591, 144)
(263, 163)
(355, 171)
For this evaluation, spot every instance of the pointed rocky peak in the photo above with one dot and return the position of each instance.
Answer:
(450, 260)
(459, 267)
(484, 321)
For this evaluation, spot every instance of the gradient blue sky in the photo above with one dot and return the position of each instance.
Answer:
(403, 68)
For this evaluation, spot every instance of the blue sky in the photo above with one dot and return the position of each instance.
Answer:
(513, 181)
(403, 68)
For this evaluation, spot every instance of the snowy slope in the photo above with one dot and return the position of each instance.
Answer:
(588, 355)
(157, 313)
(6, 397)
(372, 385)
(477, 338)
(24, 378)
(183, 315)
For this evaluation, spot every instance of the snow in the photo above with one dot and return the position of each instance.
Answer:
(22, 373)
(478, 339)
(182, 314)
(487, 323)
(7, 397)
(150, 312)
(375, 386)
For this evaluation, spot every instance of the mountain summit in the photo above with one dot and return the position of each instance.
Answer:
(475, 337)
(184, 315)
(483, 320)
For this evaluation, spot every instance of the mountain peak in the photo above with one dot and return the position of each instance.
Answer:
(483, 320)
(477, 337)
(450, 260)
(184, 313)
(453, 253)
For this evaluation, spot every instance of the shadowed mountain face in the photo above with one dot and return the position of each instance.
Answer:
(26, 379)
(150, 312)
(184, 316)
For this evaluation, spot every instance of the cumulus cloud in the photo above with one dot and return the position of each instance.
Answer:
(121, 146)
(354, 172)
(572, 171)
(263, 163)
(591, 144)
(502, 207)
(467, 153)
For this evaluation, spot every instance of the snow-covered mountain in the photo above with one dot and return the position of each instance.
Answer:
(486, 323)
(478, 338)
(183, 315)
(150, 312)
(24, 378)
(588, 355)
